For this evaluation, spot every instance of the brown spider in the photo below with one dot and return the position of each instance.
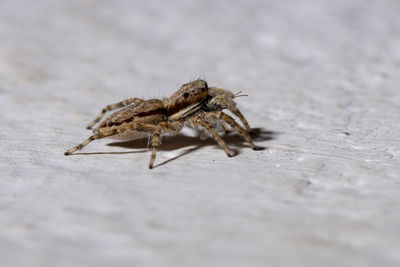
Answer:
(194, 104)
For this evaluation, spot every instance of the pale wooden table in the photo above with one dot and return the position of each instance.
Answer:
(323, 83)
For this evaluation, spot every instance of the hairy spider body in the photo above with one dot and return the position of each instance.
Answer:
(193, 104)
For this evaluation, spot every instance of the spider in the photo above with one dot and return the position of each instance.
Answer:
(194, 104)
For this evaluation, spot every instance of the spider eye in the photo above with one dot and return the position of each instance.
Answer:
(185, 95)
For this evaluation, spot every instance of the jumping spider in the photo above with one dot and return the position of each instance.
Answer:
(194, 104)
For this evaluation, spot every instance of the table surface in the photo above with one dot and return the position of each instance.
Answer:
(322, 79)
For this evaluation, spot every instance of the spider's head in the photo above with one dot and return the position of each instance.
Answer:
(187, 100)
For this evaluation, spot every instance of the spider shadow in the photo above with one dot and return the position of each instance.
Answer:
(233, 141)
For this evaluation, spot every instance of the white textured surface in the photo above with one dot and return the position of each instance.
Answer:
(323, 79)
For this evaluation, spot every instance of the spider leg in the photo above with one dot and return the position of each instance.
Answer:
(231, 121)
(239, 114)
(168, 127)
(107, 132)
(214, 134)
(90, 139)
(121, 104)
(224, 98)
(155, 143)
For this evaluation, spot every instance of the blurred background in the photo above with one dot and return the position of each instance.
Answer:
(322, 79)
